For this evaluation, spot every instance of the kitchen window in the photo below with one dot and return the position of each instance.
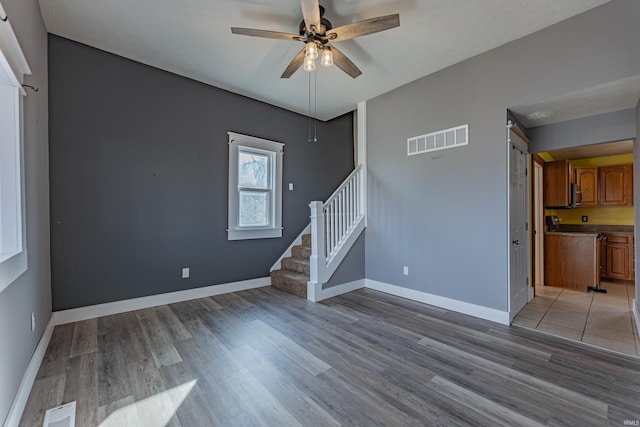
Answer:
(255, 188)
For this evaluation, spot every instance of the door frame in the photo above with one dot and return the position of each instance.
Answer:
(537, 236)
(522, 143)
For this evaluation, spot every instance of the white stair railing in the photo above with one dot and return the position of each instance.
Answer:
(335, 226)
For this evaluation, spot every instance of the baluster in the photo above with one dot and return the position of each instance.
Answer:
(348, 212)
(357, 196)
(333, 225)
(351, 202)
(340, 211)
(326, 231)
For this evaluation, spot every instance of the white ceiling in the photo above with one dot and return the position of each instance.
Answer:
(193, 38)
(606, 98)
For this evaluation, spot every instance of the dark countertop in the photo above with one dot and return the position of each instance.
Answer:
(575, 233)
(595, 228)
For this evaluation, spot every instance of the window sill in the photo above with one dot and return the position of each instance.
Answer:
(11, 267)
(254, 233)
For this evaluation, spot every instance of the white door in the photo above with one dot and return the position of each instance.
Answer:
(518, 229)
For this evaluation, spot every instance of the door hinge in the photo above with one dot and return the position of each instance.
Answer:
(527, 281)
(526, 226)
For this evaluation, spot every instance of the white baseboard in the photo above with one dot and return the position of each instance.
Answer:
(442, 302)
(29, 377)
(636, 314)
(344, 288)
(93, 311)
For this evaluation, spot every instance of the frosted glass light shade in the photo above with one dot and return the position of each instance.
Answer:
(327, 57)
(309, 64)
(311, 50)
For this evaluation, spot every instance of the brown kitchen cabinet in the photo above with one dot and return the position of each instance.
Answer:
(618, 258)
(616, 185)
(587, 180)
(572, 260)
(558, 177)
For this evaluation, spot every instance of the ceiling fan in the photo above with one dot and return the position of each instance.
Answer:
(316, 32)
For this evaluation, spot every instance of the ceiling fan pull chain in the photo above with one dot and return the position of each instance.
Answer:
(315, 106)
(309, 115)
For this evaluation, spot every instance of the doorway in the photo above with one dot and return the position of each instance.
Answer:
(600, 319)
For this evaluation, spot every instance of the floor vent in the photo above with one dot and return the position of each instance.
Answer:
(440, 140)
(62, 416)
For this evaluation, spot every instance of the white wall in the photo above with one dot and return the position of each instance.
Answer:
(31, 292)
(446, 219)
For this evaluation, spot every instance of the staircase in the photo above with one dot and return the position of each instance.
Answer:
(314, 256)
(293, 275)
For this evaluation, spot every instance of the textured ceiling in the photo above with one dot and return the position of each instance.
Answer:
(193, 38)
(605, 98)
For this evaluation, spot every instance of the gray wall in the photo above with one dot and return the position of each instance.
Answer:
(446, 219)
(352, 267)
(31, 292)
(139, 165)
(616, 126)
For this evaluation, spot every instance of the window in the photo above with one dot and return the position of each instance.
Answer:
(13, 67)
(255, 188)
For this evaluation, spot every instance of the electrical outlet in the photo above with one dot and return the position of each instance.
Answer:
(585, 218)
(405, 270)
(185, 273)
(33, 321)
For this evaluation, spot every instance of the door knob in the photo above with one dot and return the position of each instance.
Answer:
(516, 242)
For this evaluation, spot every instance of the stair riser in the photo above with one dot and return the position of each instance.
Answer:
(291, 286)
(306, 240)
(301, 252)
(298, 266)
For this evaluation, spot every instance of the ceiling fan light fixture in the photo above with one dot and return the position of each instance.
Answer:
(311, 50)
(327, 57)
(309, 64)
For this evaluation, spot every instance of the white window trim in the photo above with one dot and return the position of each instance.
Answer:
(13, 67)
(234, 232)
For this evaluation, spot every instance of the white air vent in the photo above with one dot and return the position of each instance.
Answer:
(439, 140)
(62, 416)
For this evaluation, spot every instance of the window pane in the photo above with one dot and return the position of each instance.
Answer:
(253, 170)
(254, 209)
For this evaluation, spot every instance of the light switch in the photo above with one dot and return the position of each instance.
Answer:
(291, 186)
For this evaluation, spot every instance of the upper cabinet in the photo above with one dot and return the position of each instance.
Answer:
(616, 185)
(558, 176)
(587, 180)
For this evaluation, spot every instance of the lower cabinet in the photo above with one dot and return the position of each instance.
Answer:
(618, 257)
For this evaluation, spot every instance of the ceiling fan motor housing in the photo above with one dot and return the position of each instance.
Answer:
(318, 36)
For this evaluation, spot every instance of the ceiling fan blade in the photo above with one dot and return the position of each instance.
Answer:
(362, 28)
(265, 34)
(341, 61)
(311, 14)
(293, 65)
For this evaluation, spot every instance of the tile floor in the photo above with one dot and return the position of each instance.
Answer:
(605, 320)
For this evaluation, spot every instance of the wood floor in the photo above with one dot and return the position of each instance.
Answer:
(264, 357)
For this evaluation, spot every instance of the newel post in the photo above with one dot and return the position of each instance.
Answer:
(317, 262)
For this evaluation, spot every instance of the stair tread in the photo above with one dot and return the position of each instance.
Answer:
(296, 259)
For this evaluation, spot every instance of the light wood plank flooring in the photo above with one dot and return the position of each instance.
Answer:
(264, 357)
